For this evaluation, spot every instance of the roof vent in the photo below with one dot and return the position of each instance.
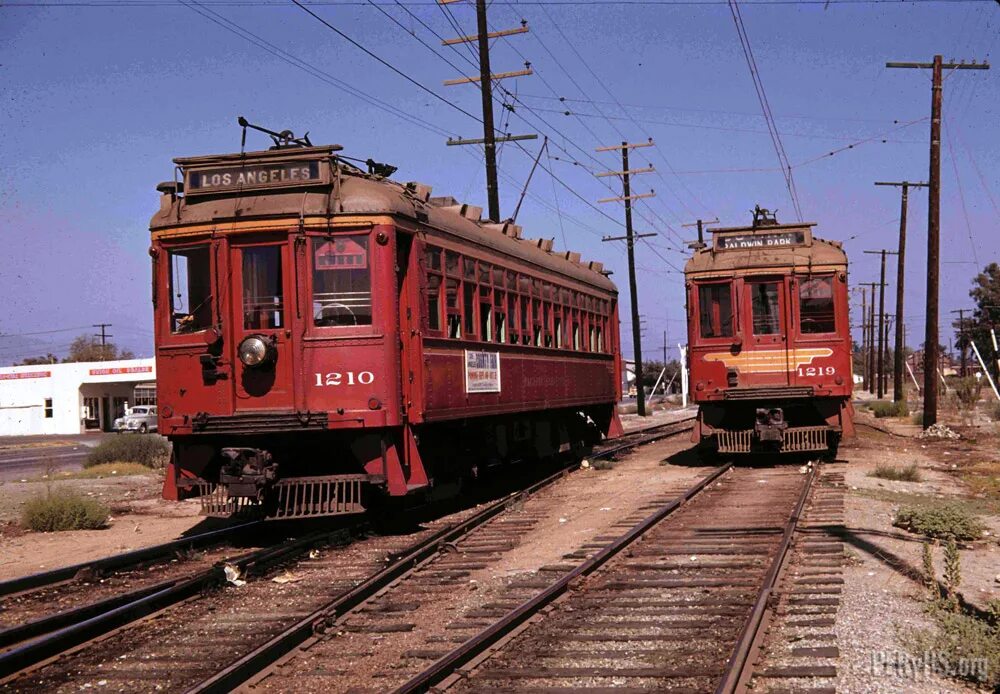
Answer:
(443, 201)
(420, 191)
(512, 230)
(572, 257)
(545, 244)
(596, 266)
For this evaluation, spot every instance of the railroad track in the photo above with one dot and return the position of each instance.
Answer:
(693, 591)
(26, 664)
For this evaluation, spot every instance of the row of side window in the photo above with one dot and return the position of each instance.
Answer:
(470, 299)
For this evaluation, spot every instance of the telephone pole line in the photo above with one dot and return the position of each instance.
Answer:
(934, 227)
(630, 237)
(700, 243)
(897, 365)
(961, 337)
(870, 347)
(104, 336)
(864, 339)
(485, 79)
(881, 320)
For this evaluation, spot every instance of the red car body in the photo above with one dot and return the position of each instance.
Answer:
(402, 342)
(769, 340)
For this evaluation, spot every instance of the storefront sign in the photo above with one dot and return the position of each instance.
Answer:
(253, 176)
(121, 370)
(25, 374)
(482, 372)
(773, 240)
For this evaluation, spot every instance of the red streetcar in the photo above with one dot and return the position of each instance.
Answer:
(324, 334)
(769, 339)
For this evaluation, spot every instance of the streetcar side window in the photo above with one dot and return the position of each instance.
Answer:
(342, 285)
(816, 314)
(715, 306)
(190, 290)
(766, 311)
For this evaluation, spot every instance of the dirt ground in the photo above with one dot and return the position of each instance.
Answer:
(139, 517)
(883, 599)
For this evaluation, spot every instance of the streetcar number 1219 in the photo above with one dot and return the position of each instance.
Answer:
(817, 370)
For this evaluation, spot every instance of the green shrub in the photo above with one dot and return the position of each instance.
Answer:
(944, 521)
(970, 646)
(885, 408)
(917, 418)
(64, 510)
(967, 391)
(910, 473)
(151, 450)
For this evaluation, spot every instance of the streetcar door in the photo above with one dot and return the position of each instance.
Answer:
(765, 360)
(262, 306)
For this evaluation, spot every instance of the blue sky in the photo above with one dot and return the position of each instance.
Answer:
(97, 100)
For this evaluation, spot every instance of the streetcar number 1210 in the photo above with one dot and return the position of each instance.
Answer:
(347, 378)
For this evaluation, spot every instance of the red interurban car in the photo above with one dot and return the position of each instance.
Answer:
(325, 335)
(769, 340)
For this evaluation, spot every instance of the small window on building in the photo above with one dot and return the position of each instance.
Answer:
(766, 316)
(715, 304)
(263, 290)
(816, 305)
(342, 285)
(48, 408)
(190, 290)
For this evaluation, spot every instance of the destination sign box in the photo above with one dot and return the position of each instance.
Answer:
(254, 176)
(769, 240)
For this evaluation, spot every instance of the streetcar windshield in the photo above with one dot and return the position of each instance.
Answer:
(190, 290)
(715, 305)
(342, 289)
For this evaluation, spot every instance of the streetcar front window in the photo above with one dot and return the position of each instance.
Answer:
(715, 305)
(190, 290)
(816, 313)
(342, 283)
(766, 315)
(263, 290)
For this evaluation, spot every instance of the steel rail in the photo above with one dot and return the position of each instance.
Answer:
(117, 614)
(120, 561)
(259, 659)
(475, 646)
(739, 666)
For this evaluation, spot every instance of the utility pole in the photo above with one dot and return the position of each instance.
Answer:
(961, 337)
(881, 320)
(889, 317)
(934, 228)
(870, 346)
(897, 366)
(864, 339)
(485, 79)
(104, 336)
(630, 238)
(700, 243)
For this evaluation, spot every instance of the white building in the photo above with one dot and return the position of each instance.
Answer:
(72, 398)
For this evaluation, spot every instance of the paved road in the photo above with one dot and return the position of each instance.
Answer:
(31, 457)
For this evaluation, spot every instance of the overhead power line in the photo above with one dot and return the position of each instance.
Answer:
(511, 3)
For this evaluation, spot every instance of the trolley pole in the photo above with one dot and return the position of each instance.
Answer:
(629, 238)
(881, 321)
(934, 228)
(897, 367)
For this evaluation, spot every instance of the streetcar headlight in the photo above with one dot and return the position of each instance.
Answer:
(255, 351)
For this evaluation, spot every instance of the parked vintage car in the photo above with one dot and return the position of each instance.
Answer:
(138, 419)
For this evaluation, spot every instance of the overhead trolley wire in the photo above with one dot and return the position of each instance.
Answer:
(765, 106)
